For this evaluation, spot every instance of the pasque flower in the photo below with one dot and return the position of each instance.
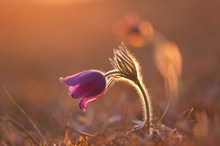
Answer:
(87, 85)
(91, 84)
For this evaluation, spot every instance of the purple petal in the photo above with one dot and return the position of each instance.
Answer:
(92, 88)
(82, 77)
(72, 90)
(84, 101)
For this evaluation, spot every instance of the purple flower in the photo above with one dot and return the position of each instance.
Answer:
(87, 85)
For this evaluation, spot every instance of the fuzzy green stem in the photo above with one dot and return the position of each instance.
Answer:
(145, 96)
(147, 113)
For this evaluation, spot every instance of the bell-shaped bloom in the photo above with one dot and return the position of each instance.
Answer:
(87, 85)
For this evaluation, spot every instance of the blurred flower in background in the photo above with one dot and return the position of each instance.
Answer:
(133, 30)
(168, 61)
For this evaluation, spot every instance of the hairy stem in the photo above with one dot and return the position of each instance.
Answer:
(145, 97)
(147, 104)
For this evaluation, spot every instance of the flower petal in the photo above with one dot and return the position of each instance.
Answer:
(72, 90)
(82, 77)
(84, 101)
(92, 88)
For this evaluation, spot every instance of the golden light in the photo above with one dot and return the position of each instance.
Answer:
(64, 1)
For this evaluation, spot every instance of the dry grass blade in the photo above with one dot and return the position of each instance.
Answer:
(183, 119)
(166, 109)
(19, 126)
(24, 113)
(82, 132)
